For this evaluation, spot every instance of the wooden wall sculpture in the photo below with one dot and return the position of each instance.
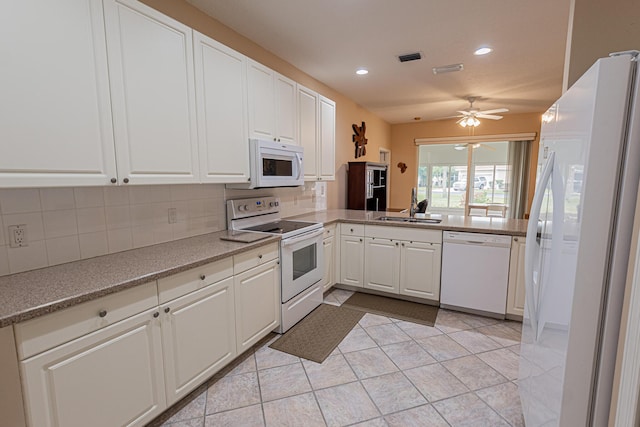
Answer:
(359, 139)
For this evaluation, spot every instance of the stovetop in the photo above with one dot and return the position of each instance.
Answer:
(281, 226)
(262, 215)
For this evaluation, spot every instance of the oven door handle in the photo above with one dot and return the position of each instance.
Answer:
(297, 239)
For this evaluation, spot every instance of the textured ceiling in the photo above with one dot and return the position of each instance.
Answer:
(330, 39)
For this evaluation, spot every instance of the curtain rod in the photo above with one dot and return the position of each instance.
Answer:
(479, 138)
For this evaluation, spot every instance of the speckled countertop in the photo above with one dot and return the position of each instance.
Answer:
(474, 224)
(34, 293)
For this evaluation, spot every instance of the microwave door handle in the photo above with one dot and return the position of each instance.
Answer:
(294, 240)
(299, 159)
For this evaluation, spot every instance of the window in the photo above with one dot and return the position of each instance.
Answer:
(443, 176)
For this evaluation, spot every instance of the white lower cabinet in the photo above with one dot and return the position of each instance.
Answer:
(111, 377)
(515, 290)
(352, 255)
(329, 248)
(381, 264)
(420, 269)
(122, 359)
(403, 261)
(198, 337)
(257, 295)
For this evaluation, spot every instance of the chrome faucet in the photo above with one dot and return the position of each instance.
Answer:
(414, 203)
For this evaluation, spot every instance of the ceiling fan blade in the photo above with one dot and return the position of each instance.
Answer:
(448, 117)
(466, 113)
(497, 110)
(488, 116)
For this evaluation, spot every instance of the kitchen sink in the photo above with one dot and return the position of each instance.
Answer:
(405, 219)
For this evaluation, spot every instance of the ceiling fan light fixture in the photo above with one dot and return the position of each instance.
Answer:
(469, 121)
(483, 51)
(362, 71)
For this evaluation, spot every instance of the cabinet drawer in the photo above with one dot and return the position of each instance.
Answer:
(352, 229)
(404, 233)
(45, 332)
(329, 231)
(255, 257)
(196, 278)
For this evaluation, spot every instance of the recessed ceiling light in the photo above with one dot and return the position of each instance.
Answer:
(482, 51)
(362, 71)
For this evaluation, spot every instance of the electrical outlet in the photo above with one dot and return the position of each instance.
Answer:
(173, 215)
(18, 236)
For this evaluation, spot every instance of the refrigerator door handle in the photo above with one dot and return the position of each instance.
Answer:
(530, 245)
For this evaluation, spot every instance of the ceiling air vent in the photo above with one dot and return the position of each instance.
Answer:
(410, 57)
(448, 68)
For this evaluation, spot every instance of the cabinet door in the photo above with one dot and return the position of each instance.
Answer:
(55, 110)
(381, 261)
(327, 140)
(261, 96)
(198, 337)
(308, 130)
(111, 377)
(152, 90)
(257, 297)
(286, 109)
(515, 292)
(420, 269)
(222, 109)
(352, 260)
(328, 279)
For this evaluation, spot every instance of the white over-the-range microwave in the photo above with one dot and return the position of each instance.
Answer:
(273, 164)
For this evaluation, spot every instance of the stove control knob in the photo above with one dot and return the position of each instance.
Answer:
(243, 208)
(272, 204)
(277, 203)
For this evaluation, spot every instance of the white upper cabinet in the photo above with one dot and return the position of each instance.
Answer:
(153, 94)
(272, 104)
(55, 112)
(316, 130)
(327, 140)
(286, 109)
(221, 95)
(308, 128)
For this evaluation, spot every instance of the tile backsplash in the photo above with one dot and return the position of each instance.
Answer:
(68, 224)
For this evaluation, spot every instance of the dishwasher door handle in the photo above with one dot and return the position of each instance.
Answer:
(475, 242)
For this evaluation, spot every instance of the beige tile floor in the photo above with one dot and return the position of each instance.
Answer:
(386, 372)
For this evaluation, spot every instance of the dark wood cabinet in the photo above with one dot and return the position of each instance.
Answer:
(367, 186)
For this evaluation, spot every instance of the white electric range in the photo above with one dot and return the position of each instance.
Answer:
(301, 253)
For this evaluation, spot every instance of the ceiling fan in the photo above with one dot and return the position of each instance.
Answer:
(470, 116)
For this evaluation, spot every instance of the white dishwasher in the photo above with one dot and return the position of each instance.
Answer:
(475, 272)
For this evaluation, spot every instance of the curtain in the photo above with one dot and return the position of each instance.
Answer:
(518, 181)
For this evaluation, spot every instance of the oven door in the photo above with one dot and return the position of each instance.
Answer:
(302, 262)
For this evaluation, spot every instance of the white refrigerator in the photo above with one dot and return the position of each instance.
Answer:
(577, 247)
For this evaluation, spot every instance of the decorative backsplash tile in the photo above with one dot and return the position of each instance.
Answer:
(68, 224)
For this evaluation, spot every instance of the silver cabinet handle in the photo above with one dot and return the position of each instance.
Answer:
(102, 313)
(168, 309)
(126, 180)
(156, 314)
(202, 277)
(260, 256)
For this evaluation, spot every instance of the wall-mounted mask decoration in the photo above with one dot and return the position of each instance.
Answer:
(359, 139)
(402, 166)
